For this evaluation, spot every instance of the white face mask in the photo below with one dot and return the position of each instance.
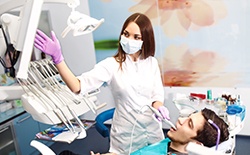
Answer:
(130, 46)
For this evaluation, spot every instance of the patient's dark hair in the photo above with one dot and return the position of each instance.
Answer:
(208, 135)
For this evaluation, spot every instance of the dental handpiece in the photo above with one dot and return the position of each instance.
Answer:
(157, 113)
(169, 123)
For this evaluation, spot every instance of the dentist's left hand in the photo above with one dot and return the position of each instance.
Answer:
(49, 46)
(164, 112)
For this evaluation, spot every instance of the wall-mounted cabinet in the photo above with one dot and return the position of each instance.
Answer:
(25, 129)
(16, 133)
(8, 145)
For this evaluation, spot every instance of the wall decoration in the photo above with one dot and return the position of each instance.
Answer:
(199, 43)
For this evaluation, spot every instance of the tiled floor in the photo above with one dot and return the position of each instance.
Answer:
(242, 145)
(94, 141)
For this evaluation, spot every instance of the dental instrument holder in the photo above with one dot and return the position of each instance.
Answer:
(91, 100)
(45, 99)
(51, 102)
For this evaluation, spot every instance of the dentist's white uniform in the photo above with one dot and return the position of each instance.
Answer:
(138, 84)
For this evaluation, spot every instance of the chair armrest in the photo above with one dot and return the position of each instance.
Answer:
(42, 148)
(101, 118)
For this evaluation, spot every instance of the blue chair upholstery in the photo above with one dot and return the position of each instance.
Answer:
(101, 118)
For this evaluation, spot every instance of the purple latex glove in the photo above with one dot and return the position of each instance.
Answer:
(164, 112)
(49, 46)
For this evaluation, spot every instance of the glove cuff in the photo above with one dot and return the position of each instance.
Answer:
(58, 59)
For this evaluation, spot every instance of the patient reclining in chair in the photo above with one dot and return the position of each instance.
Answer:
(195, 128)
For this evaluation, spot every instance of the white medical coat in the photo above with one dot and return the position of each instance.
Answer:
(138, 84)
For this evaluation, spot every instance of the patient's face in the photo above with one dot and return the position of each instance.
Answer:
(187, 128)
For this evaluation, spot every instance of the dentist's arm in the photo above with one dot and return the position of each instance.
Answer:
(51, 46)
(68, 77)
(162, 109)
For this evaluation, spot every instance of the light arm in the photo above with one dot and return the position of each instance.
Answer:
(23, 28)
(26, 34)
(6, 6)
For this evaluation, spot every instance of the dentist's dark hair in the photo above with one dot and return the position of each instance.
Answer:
(147, 32)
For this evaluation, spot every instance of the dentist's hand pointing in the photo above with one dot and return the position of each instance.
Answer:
(49, 46)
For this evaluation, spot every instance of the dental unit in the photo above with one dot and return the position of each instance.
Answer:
(46, 97)
(22, 28)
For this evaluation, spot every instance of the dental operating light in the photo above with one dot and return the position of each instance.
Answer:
(81, 24)
(22, 28)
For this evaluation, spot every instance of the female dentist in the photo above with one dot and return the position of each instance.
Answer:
(134, 78)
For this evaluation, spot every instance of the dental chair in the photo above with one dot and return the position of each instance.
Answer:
(42, 148)
(196, 149)
(45, 150)
(101, 119)
(225, 148)
(100, 127)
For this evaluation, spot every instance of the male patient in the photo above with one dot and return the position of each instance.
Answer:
(194, 128)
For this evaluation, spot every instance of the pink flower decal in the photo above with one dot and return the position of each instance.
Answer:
(181, 66)
(177, 17)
